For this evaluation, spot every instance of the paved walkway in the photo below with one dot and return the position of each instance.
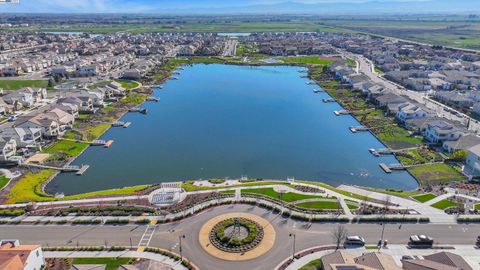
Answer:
(435, 215)
(114, 254)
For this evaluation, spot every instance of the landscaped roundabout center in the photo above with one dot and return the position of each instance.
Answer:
(237, 236)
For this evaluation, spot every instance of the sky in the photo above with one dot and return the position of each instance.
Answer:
(240, 6)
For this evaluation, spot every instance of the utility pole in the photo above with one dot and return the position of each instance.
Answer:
(294, 239)
(180, 247)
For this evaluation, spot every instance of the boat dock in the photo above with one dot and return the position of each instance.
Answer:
(155, 99)
(121, 124)
(328, 100)
(341, 112)
(139, 110)
(388, 151)
(358, 129)
(78, 170)
(318, 90)
(385, 168)
(91, 143)
(311, 83)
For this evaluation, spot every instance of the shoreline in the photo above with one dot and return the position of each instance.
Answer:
(164, 79)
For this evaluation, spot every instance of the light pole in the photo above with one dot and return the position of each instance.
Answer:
(294, 239)
(180, 247)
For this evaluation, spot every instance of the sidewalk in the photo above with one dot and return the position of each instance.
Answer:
(113, 254)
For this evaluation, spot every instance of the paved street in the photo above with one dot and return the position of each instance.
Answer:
(230, 47)
(166, 236)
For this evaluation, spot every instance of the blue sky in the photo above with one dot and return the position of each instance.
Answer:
(220, 6)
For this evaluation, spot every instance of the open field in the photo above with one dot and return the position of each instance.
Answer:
(18, 84)
(307, 60)
(436, 174)
(320, 205)
(287, 197)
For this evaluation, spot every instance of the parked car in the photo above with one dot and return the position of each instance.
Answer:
(12, 118)
(420, 241)
(478, 241)
(354, 241)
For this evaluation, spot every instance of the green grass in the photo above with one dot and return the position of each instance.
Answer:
(351, 62)
(189, 186)
(378, 70)
(425, 197)
(68, 148)
(348, 194)
(134, 98)
(321, 205)
(444, 204)
(3, 181)
(395, 192)
(313, 265)
(108, 192)
(477, 206)
(29, 188)
(18, 84)
(436, 174)
(111, 263)
(313, 60)
(397, 137)
(127, 84)
(287, 197)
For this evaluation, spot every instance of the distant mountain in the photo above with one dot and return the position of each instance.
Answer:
(343, 8)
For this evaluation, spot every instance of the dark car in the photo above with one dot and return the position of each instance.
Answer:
(420, 241)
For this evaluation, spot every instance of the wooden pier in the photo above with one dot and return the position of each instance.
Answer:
(358, 129)
(328, 100)
(385, 168)
(91, 143)
(139, 110)
(318, 90)
(155, 99)
(78, 170)
(341, 112)
(121, 124)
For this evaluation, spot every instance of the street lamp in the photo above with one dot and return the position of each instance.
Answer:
(180, 237)
(294, 239)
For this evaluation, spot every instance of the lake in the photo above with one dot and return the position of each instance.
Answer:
(221, 121)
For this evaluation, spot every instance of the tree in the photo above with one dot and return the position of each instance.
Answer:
(339, 234)
(459, 155)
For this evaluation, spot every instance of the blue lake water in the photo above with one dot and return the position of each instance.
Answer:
(222, 121)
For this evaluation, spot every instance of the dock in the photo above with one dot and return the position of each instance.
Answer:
(108, 144)
(310, 83)
(341, 112)
(173, 78)
(154, 99)
(328, 100)
(121, 124)
(78, 170)
(139, 110)
(358, 129)
(388, 151)
(91, 143)
(318, 90)
(385, 168)
(82, 169)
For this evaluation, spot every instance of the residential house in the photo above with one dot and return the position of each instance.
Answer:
(411, 111)
(472, 166)
(14, 256)
(342, 259)
(438, 261)
(48, 124)
(88, 267)
(84, 104)
(440, 131)
(389, 98)
(463, 143)
(19, 99)
(8, 148)
(64, 119)
(24, 137)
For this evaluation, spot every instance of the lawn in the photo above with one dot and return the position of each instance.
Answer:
(134, 98)
(477, 206)
(444, 204)
(313, 265)
(111, 263)
(287, 197)
(67, 148)
(128, 85)
(3, 181)
(29, 188)
(313, 60)
(18, 84)
(348, 194)
(93, 132)
(425, 197)
(396, 192)
(398, 137)
(320, 205)
(436, 174)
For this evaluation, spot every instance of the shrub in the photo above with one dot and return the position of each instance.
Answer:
(12, 212)
(117, 221)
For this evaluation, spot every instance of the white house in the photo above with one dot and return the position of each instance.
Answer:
(439, 131)
(24, 137)
(20, 257)
(412, 111)
(472, 166)
(8, 148)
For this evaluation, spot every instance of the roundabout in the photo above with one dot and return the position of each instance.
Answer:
(237, 236)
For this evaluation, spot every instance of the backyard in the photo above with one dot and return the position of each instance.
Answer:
(18, 84)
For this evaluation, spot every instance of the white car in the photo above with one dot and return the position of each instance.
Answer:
(355, 240)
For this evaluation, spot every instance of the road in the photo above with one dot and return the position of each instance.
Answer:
(367, 67)
(166, 236)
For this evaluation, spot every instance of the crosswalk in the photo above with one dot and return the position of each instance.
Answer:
(147, 236)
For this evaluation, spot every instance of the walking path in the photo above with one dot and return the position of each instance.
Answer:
(116, 254)
(435, 215)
